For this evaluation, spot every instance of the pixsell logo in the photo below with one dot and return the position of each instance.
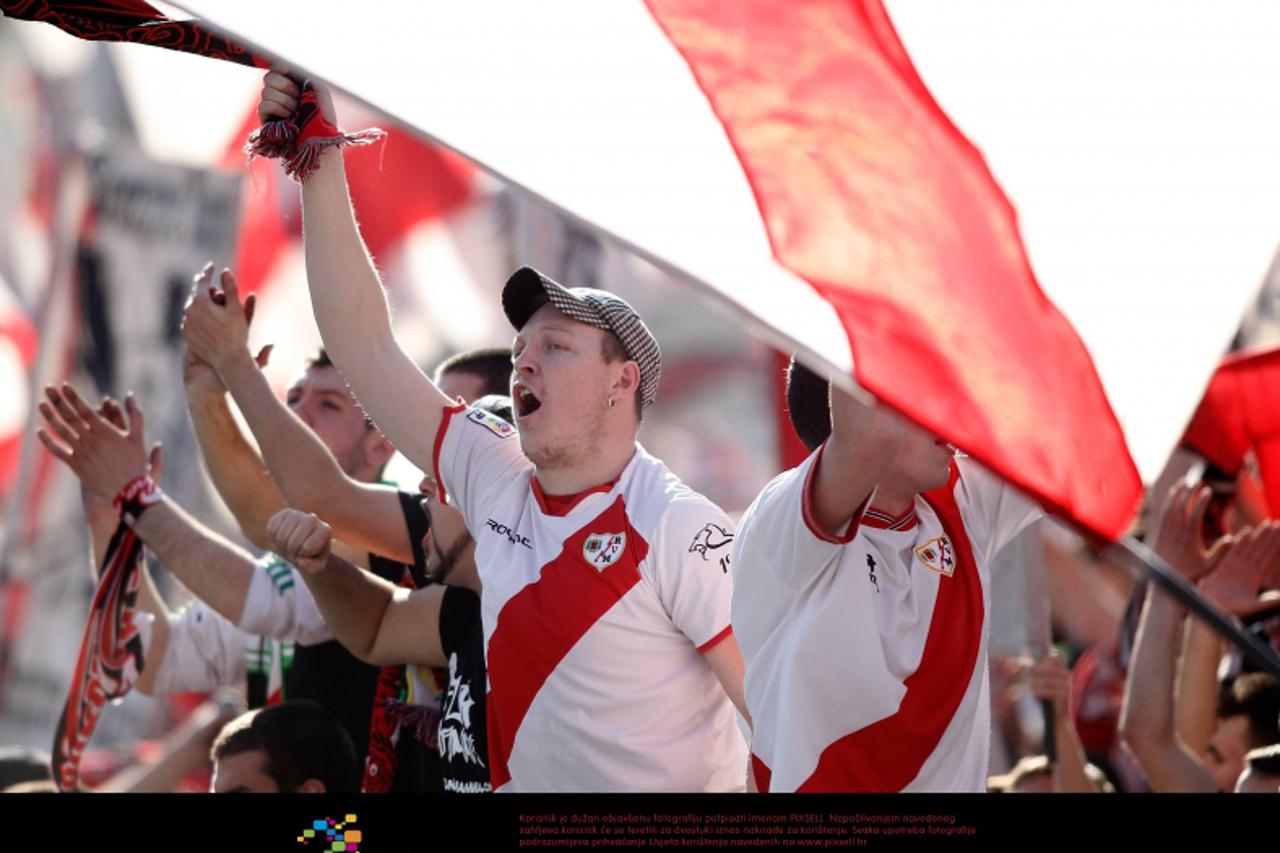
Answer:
(333, 835)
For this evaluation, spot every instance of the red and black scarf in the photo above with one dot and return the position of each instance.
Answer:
(110, 654)
(129, 21)
(297, 143)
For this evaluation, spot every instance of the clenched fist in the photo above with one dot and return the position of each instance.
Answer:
(301, 539)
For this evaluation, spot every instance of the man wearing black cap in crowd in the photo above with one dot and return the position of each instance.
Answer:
(612, 665)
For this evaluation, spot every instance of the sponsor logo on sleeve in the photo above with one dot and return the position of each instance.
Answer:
(938, 555)
(493, 423)
(602, 550)
(513, 537)
(713, 541)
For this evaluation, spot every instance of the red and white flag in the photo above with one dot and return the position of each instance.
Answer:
(787, 159)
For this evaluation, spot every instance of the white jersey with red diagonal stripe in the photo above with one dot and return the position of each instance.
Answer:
(866, 652)
(596, 609)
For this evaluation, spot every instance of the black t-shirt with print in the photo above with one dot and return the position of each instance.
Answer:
(329, 675)
(464, 741)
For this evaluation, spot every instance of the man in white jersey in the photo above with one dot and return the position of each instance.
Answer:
(605, 609)
(860, 601)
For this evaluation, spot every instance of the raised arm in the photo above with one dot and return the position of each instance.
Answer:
(1232, 584)
(863, 442)
(1147, 717)
(360, 514)
(107, 458)
(234, 466)
(1050, 679)
(348, 300)
(379, 623)
(103, 520)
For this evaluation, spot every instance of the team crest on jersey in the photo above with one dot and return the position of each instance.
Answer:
(938, 555)
(602, 550)
(493, 423)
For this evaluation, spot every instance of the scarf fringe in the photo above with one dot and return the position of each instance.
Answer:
(274, 139)
(305, 158)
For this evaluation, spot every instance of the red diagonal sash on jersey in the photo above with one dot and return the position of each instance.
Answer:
(110, 654)
(540, 624)
(885, 756)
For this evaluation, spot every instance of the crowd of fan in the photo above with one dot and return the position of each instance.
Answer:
(570, 617)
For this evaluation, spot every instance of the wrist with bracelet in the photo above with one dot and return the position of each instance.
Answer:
(136, 497)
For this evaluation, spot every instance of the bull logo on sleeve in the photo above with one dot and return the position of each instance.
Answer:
(712, 538)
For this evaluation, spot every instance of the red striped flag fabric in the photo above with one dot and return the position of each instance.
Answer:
(788, 160)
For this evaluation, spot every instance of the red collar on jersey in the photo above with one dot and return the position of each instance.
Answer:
(882, 520)
(561, 505)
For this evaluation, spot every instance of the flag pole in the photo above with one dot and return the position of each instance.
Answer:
(1145, 565)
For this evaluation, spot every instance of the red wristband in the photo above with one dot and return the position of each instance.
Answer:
(137, 495)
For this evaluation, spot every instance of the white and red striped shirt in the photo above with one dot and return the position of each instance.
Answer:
(596, 609)
(866, 653)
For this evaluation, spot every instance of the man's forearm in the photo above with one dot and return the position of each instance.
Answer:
(235, 468)
(1147, 716)
(360, 514)
(863, 442)
(351, 311)
(215, 570)
(353, 603)
(346, 293)
(1197, 692)
(102, 526)
(1069, 775)
(300, 464)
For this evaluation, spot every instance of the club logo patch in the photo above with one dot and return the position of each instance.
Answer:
(602, 550)
(938, 555)
(493, 423)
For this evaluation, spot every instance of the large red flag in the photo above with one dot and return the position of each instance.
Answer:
(870, 194)
(801, 174)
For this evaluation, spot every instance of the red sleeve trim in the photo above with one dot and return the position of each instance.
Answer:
(806, 508)
(763, 775)
(716, 640)
(449, 412)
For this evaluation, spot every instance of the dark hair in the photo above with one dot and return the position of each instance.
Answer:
(498, 405)
(322, 359)
(1256, 695)
(23, 764)
(301, 740)
(491, 364)
(1265, 759)
(809, 404)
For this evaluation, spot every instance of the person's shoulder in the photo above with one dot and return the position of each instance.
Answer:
(656, 488)
(776, 493)
(974, 482)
